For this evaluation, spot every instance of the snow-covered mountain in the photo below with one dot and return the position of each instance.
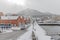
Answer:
(34, 13)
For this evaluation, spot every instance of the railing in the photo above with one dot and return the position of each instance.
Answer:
(48, 23)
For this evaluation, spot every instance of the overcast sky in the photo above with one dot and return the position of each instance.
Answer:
(52, 6)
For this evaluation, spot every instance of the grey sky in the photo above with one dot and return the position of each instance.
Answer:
(52, 6)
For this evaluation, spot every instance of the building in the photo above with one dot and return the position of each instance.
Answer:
(12, 21)
(56, 18)
(1, 14)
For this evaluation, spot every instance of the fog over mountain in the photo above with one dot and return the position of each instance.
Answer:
(32, 12)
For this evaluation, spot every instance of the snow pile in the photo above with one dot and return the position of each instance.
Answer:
(40, 33)
(30, 28)
(7, 31)
(27, 35)
(15, 28)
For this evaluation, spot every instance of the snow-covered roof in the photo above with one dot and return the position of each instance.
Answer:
(9, 17)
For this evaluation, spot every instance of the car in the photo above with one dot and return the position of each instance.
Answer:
(23, 28)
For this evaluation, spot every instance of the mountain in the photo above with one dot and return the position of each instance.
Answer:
(34, 13)
(30, 12)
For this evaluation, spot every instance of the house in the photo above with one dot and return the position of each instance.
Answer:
(12, 21)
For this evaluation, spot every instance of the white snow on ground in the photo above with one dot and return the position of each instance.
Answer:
(40, 33)
(15, 28)
(27, 35)
(7, 31)
(30, 28)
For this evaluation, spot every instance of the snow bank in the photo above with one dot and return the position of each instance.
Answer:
(30, 28)
(27, 35)
(15, 28)
(7, 31)
(40, 33)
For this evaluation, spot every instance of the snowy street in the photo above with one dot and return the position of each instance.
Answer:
(11, 36)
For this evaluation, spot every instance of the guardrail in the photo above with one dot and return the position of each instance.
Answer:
(48, 23)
